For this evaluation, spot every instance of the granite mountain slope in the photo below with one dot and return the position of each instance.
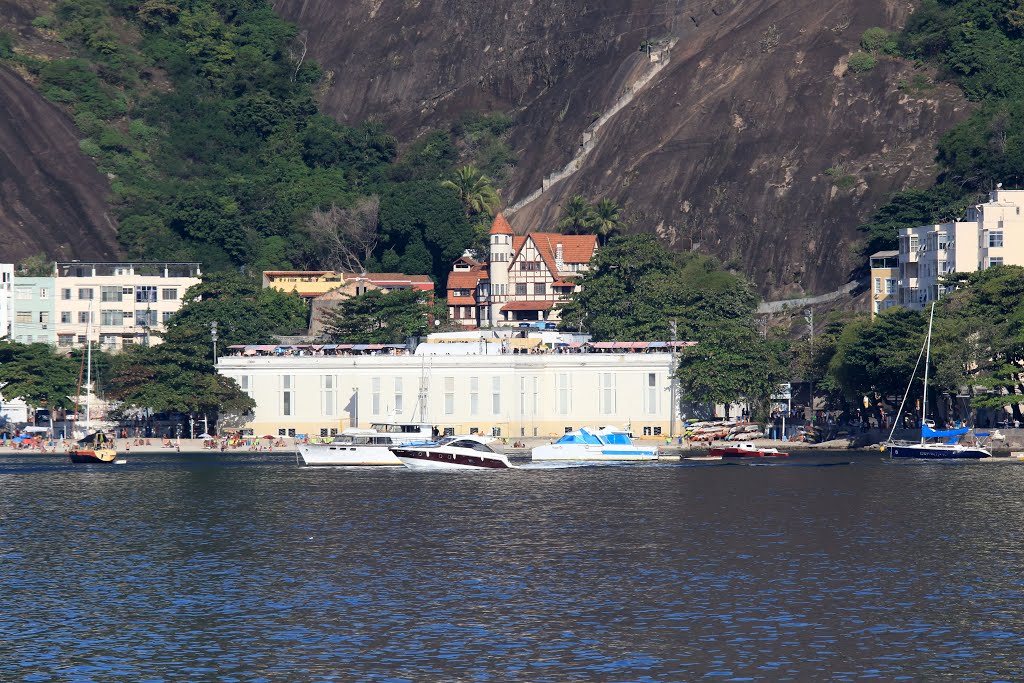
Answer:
(749, 137)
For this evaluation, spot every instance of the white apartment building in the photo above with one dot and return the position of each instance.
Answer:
(6, 298)
(991, 234)
(497, 393)
(118, 304)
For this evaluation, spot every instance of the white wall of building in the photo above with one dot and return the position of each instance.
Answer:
(518, 395)
(6, 298)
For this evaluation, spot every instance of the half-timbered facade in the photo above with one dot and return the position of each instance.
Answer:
(524, 279)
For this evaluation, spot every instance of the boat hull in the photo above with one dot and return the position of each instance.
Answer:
(928, 452)
(744, 453)
(427, 460)
(615, 453)
(349, 456)
(99, 455)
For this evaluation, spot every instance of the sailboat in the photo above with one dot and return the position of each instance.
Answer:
(930, 447)
(96, 447)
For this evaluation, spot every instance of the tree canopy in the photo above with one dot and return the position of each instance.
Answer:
(376, 317)
(38, 375)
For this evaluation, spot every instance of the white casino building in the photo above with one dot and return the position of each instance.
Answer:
(479, 387)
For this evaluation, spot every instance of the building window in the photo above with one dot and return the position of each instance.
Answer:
(85, 293)
(913, 243)
(287, 395)
(23, 317)
(44, 317)
(145, 294)
(328, 395)
(564, 391)
(657, 431)
(108, 341)
(647, 431)
(652, 393)
(375, 396)
(496, 395)
(399, 402)
(449, 395)
(522, 395)
(110, 294)
(65, 294)
(607, 393)
(943, 241)
(81, 339)
(995, 261)
(875, 307)
(44, 293)
(890, 285)
(474, 395)
(496, 432)
(166, 317)
(65, 317)
(83, 317)
(995, 239)
(65, 340)
(169, 293)
(112, 317)
(520, 289)
(540, 288)
(146, 318)
(878, 285)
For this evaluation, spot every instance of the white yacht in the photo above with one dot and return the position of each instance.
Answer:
(454, 453)
(608, 443)
(367, 447)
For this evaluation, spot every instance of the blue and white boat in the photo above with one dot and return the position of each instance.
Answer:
(929, 448)
(608, 443)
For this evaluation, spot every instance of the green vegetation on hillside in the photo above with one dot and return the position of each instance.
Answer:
(979, 45)
(203, 114)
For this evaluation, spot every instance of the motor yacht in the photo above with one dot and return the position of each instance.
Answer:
(367, 447)
(454, 452)
(608, 443)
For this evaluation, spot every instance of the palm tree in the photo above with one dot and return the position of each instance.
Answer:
(577, 217)
(607, 219)
(475, 190)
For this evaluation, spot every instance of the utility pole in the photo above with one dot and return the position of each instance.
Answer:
(809, 317)
(672, 384)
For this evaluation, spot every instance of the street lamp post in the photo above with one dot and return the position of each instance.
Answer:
(213, 336)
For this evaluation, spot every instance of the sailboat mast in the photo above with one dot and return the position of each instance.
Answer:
(88, 368)
(927, 358)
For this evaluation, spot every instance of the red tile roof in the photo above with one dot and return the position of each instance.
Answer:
(575, 248)
(461, 300)
(465, 279)
(501, 226)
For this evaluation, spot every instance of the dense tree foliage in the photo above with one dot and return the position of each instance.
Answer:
(376, 317)
(636, 290)
(35, 373)
(203, 114)
(979, 45)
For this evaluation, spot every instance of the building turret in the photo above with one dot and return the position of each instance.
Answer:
(500, 257)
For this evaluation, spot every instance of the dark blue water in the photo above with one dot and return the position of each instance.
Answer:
(250, 568)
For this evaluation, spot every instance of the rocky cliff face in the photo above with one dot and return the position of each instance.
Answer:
(749, 138)
(52, 198)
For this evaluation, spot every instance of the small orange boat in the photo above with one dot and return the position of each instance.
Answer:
(96, 447)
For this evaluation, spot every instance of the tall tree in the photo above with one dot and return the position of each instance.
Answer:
(345, 238)
(577, 217)
(607, 220)
(376, 317)
(36, 374)
(475, 190)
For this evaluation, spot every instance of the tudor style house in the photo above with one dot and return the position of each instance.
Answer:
(523, 280)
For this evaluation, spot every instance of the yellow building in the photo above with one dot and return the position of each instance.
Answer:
(885, 273)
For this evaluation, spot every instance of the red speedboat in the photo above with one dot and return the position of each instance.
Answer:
(747, 449)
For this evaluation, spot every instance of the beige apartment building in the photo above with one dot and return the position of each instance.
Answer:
(118, 304)
(885, 277)
(990, 234)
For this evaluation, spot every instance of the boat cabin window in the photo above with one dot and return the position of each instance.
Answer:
(475, 445)
(385, 428)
